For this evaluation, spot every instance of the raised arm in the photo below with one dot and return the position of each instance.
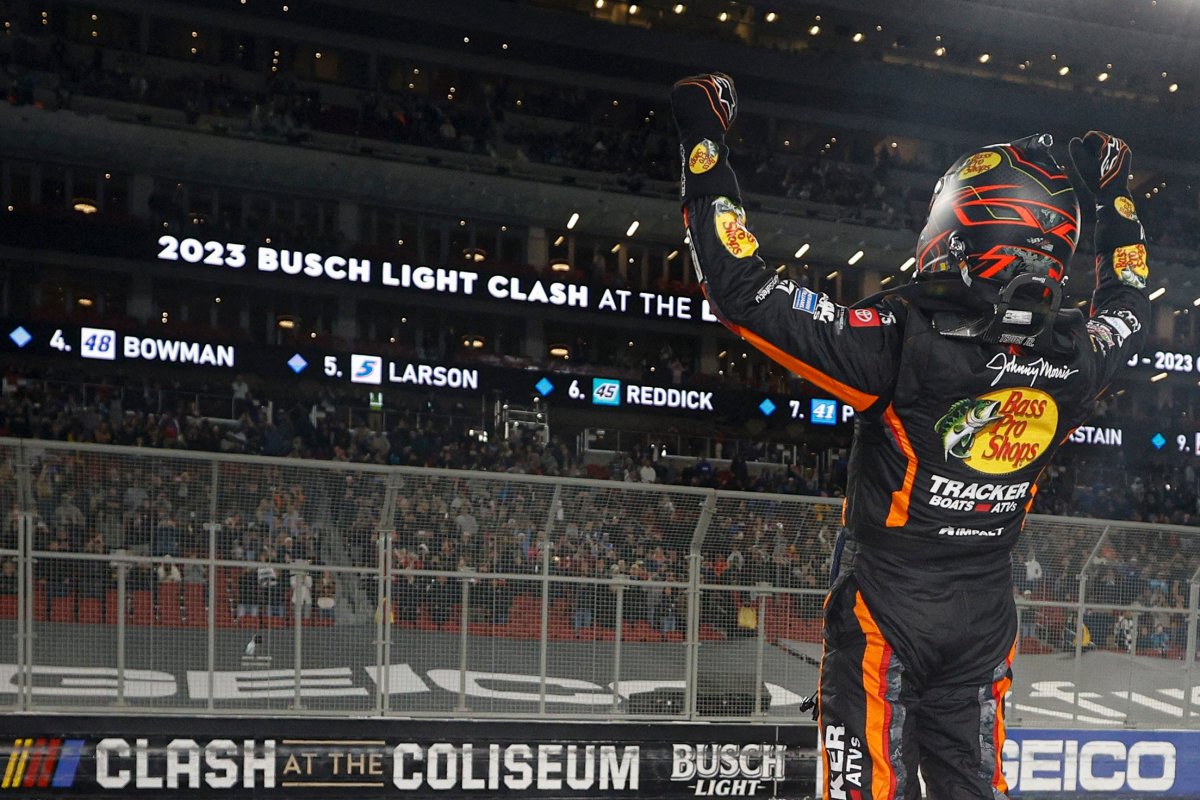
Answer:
(852, 354)
(1120, 309)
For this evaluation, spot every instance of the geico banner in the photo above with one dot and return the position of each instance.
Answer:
(106, 757)
(1065, 763)
(300, 265)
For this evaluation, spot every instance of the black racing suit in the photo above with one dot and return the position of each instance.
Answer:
(951, 436)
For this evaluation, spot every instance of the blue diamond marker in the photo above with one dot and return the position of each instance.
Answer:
(544, 387)
(20, 336)
(766, 407)
(1158, 441)
(297, 363)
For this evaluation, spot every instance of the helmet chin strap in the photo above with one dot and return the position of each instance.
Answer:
(1023, 314)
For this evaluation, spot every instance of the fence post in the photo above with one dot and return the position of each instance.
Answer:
(544, 638)
(1193, 621)
(691, 665)
(463, 643)
(25, 593)
(122, 610)
(762, 645)
(618, 630)
(213, 529)
(1079, 611)
(383, 610)
(25, 584)
(298, 623)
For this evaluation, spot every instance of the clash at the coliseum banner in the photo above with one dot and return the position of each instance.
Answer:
(230, 758)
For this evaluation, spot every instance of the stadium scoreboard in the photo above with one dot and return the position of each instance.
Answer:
(376, 371)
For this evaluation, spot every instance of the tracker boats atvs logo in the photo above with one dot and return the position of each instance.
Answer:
(845, 762)
(999, 432)
(728, 770)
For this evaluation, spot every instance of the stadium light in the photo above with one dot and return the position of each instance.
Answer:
(559, 265)
(907, 265)
(1196, 302)
(857, 257)
(1102, 77)
(858, 37)
(985, 58)
(571, 222)
(632, 229)
(832, 275)
(803, 249)
(1160, 376)
(1174, 87)
(1064, 70)
(1157, 293)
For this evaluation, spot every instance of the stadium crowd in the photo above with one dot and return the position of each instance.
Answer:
(291, 520)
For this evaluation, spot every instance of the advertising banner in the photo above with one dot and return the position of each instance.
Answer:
(242, 758)
(1102, 763)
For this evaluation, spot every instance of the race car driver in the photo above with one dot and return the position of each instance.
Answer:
(964, 383)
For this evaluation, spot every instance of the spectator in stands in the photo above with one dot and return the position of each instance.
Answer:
(8, 577)
(326, 594)
(440, 595)
(168, 571)
(301, 583)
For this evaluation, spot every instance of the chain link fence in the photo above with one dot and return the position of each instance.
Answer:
(160, 581)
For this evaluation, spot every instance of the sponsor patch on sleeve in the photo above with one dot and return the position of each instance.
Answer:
(805, 300)
(730, 222)
(1129, 262)
(704, 157)
(1126, 208)
(864, 318)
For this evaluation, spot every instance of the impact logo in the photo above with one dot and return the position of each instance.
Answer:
(978, 164)
(606, 392)
(999, 432)
(730, 222)
(366, 369)
(703, 158)
(727, 770)
(845, 759)
(42, 763)
(1129, 262)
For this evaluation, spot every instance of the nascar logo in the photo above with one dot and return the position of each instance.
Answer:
(42, 763)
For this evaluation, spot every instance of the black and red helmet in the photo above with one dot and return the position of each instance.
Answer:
(999, 212)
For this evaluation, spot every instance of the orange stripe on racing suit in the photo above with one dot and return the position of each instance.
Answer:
(858, 400)
(898, 513)
(877, 657)
(999, 689)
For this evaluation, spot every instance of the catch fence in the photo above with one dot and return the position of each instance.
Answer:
(160, 581)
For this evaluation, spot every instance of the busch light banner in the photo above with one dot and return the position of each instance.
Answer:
(341, 759)
(1102, 763)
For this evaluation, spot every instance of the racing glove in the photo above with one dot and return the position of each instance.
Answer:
(1103, 163)
(704, 107)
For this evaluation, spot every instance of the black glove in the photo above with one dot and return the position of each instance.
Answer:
(704, 106)
(1103, 162)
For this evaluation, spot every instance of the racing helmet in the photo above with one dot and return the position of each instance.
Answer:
(1000, 212)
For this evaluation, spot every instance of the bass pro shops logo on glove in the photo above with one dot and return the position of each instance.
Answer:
(704, 157)
(1129, 262)
(730, 222)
